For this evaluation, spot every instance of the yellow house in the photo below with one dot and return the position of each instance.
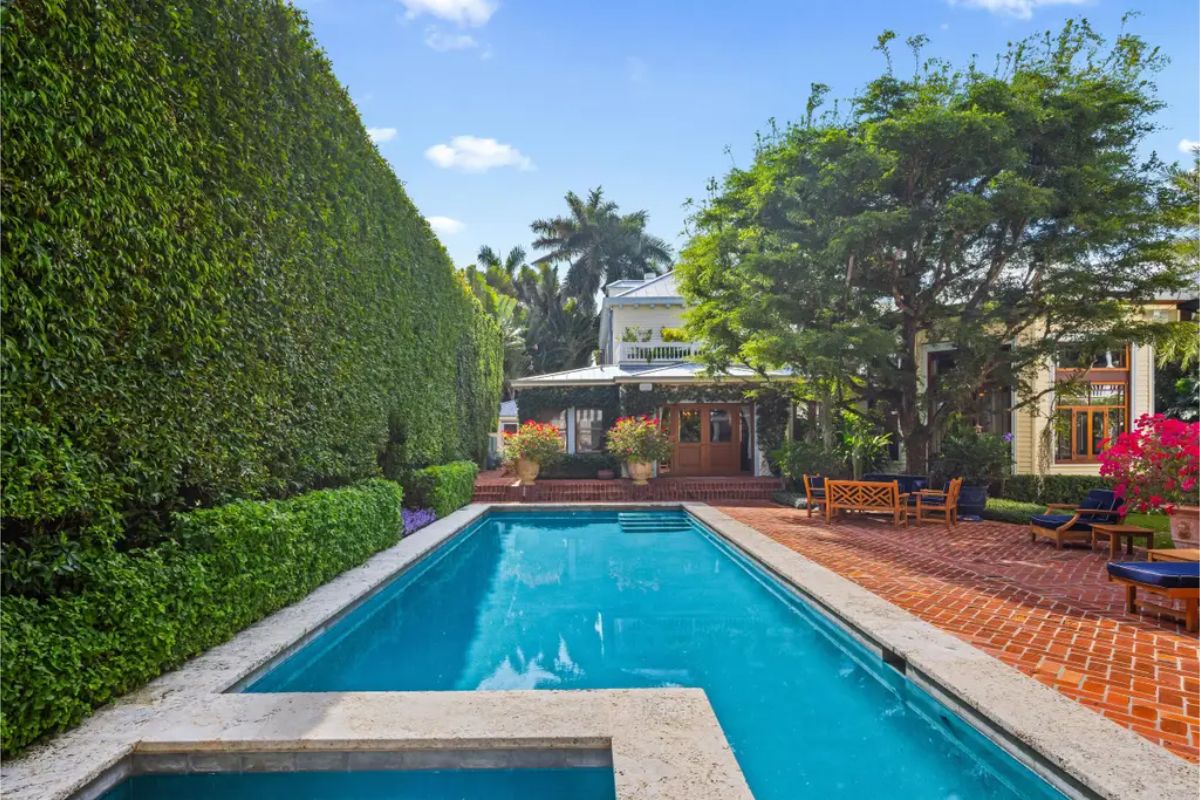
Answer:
(1060, 433)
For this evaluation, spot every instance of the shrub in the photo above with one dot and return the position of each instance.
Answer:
(417, 518)
(539, 442)
(215, 287)
(444, 488)
(580, 465)
(143, 612)
(1155, 466)
(639, 439)
(978, 458)
(791, 499)
(1048, 488)
(796, 458)
(1013, 511)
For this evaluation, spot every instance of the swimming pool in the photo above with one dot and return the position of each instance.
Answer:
(480, 784)
(597, 599)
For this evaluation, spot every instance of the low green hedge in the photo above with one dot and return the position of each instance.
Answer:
(1048, 488)
(580, 465)
(143, 612)
(444, 488)
(1015, 511)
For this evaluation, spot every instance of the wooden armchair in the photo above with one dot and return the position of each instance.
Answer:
(938, 506)
(814, 492)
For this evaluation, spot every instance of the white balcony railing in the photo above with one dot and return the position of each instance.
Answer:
(655, 352)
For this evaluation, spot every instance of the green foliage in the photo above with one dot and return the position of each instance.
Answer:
(1048, 488)
(1014, 511)
(794, 459)
(213, 285)
(977, 458)
(544, 402)
(145, 611)
(955, 206)
(600, 245)
(445, 488)
(864, 446)
(579, 465)
(639, 440)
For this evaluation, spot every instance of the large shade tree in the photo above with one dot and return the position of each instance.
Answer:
(1001, 212)
(599, 244)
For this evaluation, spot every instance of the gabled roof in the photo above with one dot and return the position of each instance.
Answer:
(662, 288)
(609, 374)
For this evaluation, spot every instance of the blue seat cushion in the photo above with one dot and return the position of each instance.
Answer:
(818, 493)
(1166, 574)
(933, 500)
(1053, 521)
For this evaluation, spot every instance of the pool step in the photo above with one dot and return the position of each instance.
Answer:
(650, 522)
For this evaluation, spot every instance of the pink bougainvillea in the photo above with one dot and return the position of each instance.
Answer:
(1156, 465)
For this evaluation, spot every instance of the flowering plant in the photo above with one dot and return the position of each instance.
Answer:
(417, 518)
(1154, 466)
(539, 442)
(639, 439)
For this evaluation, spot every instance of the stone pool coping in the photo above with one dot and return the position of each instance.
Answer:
(665, 744)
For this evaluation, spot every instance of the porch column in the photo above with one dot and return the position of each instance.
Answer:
(570, 412)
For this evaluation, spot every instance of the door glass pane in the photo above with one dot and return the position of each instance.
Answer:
(1081, 434)
(589, 430)
(720, 426)
(1116, 424)
(1098, 430)
(1108, 394)
(1062, 434)
(689, 425)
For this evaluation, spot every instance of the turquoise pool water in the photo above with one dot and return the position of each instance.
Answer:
(484, 784)
(552, 600)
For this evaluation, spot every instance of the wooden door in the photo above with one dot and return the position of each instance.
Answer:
(707, 439)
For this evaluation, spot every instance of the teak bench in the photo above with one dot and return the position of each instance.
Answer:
(866, 496)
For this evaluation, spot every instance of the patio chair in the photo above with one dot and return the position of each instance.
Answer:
(1174, 580)
(814, 492)
(932, 504)
(1075, 522)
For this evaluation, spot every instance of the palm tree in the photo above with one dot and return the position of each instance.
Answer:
(561, 333)
(600, 245)
(499, 273)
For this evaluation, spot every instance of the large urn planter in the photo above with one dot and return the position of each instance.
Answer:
(971, 502)
(640, 471)
(1185, 526)
(527, 471)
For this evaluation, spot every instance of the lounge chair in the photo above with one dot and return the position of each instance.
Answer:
(1174, 580)
(936, 506)
(814, 492)
(1075, 522)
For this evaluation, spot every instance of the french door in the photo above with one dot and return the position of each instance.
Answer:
(707, 437)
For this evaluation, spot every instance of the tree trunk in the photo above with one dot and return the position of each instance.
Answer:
(913, 430)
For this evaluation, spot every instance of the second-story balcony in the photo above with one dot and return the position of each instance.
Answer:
(654, 352)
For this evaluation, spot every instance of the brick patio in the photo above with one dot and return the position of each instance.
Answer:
(497, 486)
(1049, 613)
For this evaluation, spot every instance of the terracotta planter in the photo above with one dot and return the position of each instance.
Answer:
(1185, 526)
(640, 471)
(527, 471)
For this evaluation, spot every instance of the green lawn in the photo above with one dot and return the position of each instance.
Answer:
(1019, 513)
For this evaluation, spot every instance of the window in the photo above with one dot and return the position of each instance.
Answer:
(509, 427)
(589, 430)
(720, 426)
(1072, 357)
(1086, 416)
(689, 425)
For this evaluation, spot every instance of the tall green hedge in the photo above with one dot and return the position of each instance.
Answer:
(142, 612)
(444, 488)
(213, 285)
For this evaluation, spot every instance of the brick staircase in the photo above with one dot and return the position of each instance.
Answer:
(494, 488)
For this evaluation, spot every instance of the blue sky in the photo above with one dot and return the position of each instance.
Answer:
(490, 110)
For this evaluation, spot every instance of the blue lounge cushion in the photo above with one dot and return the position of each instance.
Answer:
(1053, 521)
(1166, 574)
(1102, 499)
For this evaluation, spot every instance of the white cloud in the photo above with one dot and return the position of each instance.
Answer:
(461, 12)
(473, 154)
(441, 41)
(1188, 146)
(1021, 9)
(381, 134)
(447, 226)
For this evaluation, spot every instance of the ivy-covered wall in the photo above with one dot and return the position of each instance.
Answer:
(213, 285)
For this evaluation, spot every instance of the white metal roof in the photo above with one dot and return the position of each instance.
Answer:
(685, 372)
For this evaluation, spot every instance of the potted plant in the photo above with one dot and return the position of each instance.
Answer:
(641, 443)
(531, 446)
(976, 457)
(1155, 467)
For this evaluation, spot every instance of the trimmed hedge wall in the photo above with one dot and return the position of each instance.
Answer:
(580, 465)
(1048, 488)
(214, 286)
(444, 488)
(143, 612)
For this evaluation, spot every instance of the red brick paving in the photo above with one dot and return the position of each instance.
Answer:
(1049, 613)
(497, 486)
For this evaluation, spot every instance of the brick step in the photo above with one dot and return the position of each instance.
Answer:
(594, 491)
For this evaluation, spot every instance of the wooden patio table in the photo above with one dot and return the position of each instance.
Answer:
(1116, 533)
(1178, 554)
